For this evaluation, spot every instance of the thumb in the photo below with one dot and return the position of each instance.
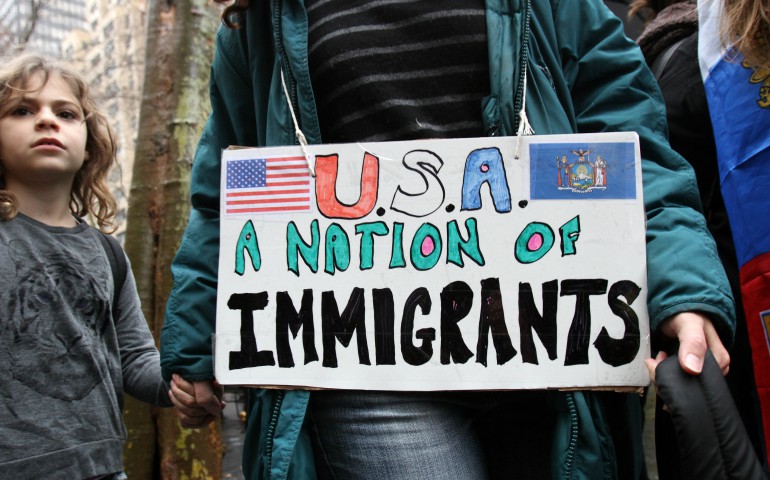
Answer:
(688, 327)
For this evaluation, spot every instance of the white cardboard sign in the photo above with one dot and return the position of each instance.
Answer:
(434, 265)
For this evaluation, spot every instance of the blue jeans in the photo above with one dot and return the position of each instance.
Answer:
(362, 435)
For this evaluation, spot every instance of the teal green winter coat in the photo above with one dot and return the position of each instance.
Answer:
(583, 76)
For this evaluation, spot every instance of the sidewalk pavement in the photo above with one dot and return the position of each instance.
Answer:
(232, 434)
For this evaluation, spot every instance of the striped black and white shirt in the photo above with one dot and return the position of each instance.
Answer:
(398, 69)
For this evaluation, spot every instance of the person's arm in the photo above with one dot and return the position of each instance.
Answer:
(140, 362)
(613, 90)
(189, 324)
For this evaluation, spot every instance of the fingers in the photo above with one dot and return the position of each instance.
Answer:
(206, 397)
(652, 364)
(696, 335)
(721, 355)
(197, 403)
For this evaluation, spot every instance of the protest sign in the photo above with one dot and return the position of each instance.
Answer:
(462, 264)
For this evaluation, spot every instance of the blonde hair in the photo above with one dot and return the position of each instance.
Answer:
(90, 194)
(746, 25)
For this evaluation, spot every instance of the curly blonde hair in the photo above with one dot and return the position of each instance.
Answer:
(90, 194)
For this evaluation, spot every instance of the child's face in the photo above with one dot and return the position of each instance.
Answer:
(43, 137)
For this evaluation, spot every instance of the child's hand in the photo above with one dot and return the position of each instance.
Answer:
(197, 403)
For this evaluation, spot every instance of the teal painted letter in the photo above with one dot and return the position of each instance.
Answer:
(295, 244)
(337, 249)
(534, 241)
(368, 231)
(247, 241)
(570, 232)
(455, 243)
(426, 247)
(397, 251)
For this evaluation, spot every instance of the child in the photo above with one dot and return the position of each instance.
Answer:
(72, 338)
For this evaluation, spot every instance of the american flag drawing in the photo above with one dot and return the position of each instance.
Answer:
(267, 185)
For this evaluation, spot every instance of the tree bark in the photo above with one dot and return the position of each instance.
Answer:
(180, 47)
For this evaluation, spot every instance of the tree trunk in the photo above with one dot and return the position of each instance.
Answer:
(180, 47)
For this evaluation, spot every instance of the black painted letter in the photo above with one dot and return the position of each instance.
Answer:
(416, 355)
(249, 355)
(579, 332)
(493, 316)
(456, 301)
(530, 319)
(287, 319)
(384, 343)
(620, 352)
(341, 327)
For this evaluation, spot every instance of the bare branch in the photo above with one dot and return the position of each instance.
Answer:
(36, 8)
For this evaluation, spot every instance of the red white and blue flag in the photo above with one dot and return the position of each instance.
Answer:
(267, 185)
(739, 105)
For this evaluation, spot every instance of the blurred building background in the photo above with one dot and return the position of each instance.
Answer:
(40, 24)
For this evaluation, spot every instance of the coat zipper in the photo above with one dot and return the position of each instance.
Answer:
(279, 395)
(573, 436)
(274, 414)
(519, 97)
(292, 86)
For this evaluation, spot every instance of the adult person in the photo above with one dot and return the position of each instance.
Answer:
(670, 46)
(406, 70)
(734, 60)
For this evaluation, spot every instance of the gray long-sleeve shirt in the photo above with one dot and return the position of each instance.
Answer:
(64, 361)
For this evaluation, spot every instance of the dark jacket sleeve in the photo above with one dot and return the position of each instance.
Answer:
(189, 324)
(612, 89)
(713, 443)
